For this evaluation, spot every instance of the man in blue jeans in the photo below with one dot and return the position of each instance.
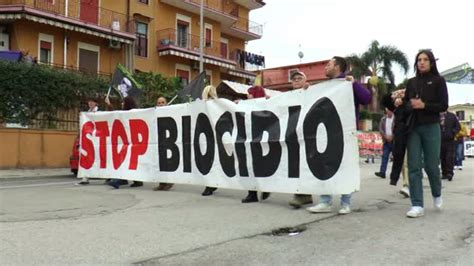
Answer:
(336, 68)
(386, 130)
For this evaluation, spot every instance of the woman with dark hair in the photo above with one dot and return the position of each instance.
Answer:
(426, 96)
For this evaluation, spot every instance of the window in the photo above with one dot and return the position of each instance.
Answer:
(141, 43)
(184, 75)
(224, 48)
(45, 48)
(45, 52)
(143, 1)
(208, 34)
(182, 38)
(460, 115)
(209, 76)
(88, 58)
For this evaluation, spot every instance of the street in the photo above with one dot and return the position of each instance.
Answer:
(49, 220)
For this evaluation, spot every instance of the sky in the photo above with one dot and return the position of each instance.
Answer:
(325, 28)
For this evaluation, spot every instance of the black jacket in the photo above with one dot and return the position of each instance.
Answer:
(432, 90)
(450, 127)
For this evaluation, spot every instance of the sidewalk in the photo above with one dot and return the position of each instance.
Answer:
(33, 173)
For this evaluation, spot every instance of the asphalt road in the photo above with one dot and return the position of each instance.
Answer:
(51, 221)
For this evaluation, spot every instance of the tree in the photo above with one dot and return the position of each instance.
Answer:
(377, 62)
(155, 85)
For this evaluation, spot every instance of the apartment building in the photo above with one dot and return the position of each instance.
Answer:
(90, 35)
(161, 36)
(168, 38)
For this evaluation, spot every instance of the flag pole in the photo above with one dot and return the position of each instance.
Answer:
(174, 98)
(201, 39)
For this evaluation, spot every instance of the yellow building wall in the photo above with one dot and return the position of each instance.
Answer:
(25, 148)
(25, 38)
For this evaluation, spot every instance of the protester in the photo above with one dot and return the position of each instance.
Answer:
(449, 128)
(252, 93)
(459, 142)
(386, 128)
(298, 81)
(128, 103)
(209, 93)
(427, 96)
(399, 164)
(161, 101)
(336, 68)
(93, 107)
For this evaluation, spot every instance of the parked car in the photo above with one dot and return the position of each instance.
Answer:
(74, 158)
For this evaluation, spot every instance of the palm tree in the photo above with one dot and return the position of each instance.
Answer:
(377, 63)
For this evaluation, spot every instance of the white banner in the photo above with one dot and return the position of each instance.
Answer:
(468, 148)
(295, 142)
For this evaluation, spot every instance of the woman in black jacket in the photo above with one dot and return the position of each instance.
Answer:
(427, 96)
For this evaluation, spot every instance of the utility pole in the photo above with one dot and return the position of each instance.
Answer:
(201, 40)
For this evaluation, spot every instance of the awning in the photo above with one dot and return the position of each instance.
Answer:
(239, 74)
(196, 58)
(241, 89)
(67, 26)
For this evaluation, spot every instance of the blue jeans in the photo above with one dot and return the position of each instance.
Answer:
(387, 149)
(459, 154)
(345, 199)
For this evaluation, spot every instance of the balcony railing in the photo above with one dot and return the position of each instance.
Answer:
(214, 5)
(248, 26)
(82, 12)
(171, 38)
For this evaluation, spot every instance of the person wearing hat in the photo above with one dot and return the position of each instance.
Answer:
(298, 81)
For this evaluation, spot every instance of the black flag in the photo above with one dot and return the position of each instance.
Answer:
(125, 84)
(194, 89)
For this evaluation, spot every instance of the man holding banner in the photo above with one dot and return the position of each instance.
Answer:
(336, 68)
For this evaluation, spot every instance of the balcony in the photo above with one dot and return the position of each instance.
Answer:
(228, 15)
(245, 29)
(170, 42)
(213, 9)
(250, 4)
(72, 15)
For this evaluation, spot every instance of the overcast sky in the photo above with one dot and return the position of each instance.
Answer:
(325, 28)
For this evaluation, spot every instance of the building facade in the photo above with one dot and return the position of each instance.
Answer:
(465, 114)
(161, 36)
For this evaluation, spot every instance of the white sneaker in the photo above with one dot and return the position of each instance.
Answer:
(415, 212)
(321, 207)
(346, 209)
(460, 167)
(438, 202)
(405, 192)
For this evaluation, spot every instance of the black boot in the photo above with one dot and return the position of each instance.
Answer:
(265, 195)
(251, 197)
(208, 191)
(136, 184)
(380, 174)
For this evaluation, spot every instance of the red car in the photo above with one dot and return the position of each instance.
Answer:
(74, 159)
